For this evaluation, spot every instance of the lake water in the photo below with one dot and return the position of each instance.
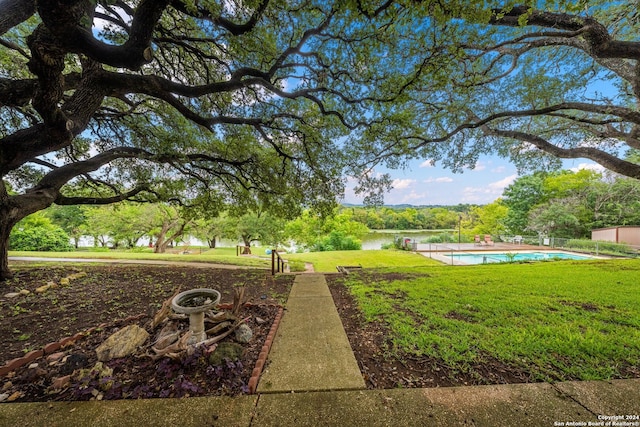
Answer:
(375, 239)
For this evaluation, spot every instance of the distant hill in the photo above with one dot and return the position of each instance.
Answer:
(458, 207)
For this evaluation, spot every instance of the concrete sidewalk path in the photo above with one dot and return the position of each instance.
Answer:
(564, 404)
(310, 351)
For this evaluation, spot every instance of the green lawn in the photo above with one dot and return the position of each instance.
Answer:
(218, 256)
(557, 320)
(326, 262)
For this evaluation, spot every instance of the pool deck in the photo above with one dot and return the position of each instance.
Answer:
(466, 247)
(442, 252)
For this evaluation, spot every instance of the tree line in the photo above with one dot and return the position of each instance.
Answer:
(557, 204)
(560, 204)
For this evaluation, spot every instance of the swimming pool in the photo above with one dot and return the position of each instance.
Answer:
(486, 258)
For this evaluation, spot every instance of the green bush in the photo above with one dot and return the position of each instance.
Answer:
(39, 238)
(441, 238)
(591, 245)
(337, 241)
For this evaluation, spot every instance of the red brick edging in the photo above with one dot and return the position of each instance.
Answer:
(262, 358)
(55, 346)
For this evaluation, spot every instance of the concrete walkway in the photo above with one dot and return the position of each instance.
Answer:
(535, 405)
(311, 351)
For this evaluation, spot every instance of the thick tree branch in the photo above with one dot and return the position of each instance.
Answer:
(64, 22)
(600, 42)
(14, 12)
(234, 28)
(63, 200)
(607, 160)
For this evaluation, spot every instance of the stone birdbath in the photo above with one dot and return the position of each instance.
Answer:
(194, 303)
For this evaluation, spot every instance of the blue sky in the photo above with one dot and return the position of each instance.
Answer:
(424, 184)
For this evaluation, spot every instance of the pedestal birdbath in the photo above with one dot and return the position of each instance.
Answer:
(194, 303)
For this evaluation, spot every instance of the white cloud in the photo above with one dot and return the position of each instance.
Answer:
(429, 163)
(439, 180)
(500, 185)
(488, 193)
(444, 179)
(480, 167)
(413, 196)
(589, 166)
(399, 184)
(499, 169)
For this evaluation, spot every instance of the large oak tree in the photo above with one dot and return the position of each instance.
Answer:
(233, 102)
(267, 103)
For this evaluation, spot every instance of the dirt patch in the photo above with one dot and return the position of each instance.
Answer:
(584, 306)
(459, 316)
(108, 294)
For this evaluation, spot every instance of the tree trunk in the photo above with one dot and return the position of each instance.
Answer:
(161, 244)
(247, 245)
(5, 230)
(12, 210)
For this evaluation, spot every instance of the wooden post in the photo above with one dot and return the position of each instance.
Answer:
(273, 267)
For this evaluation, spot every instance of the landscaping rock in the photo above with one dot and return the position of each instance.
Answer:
(244, 334)
(55, 357)
(12, 295)
(24, 292)
(45, 288)
(61, 382)
(64, 281)
(73, 362)
(225, 350)
(260, 321)
(122, 343)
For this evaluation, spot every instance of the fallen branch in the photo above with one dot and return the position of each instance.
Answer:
(164, 311)
(167, 336)
(238, 297)
(176, 348)
(222, 336)
(218, 328)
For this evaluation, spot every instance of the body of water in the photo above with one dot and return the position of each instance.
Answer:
(375, 239)
(486, 258)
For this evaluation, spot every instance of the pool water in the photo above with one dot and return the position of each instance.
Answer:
(508, 257)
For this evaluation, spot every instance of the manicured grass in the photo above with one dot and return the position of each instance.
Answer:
(556, 320)
(218, 256)
(326, 262)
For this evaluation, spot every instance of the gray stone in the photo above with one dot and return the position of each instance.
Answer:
(4, 396)
(244, 334)
(12, 295)
(122, 343)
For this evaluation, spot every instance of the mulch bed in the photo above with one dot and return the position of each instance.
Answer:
(106, 296)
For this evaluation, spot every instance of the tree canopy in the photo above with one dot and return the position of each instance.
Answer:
(531, 85)
(268, 104)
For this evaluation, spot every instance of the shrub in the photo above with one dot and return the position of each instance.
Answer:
(337, 241)
(441, 238)
(39, 238)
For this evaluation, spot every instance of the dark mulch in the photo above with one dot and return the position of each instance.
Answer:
(108, 294)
